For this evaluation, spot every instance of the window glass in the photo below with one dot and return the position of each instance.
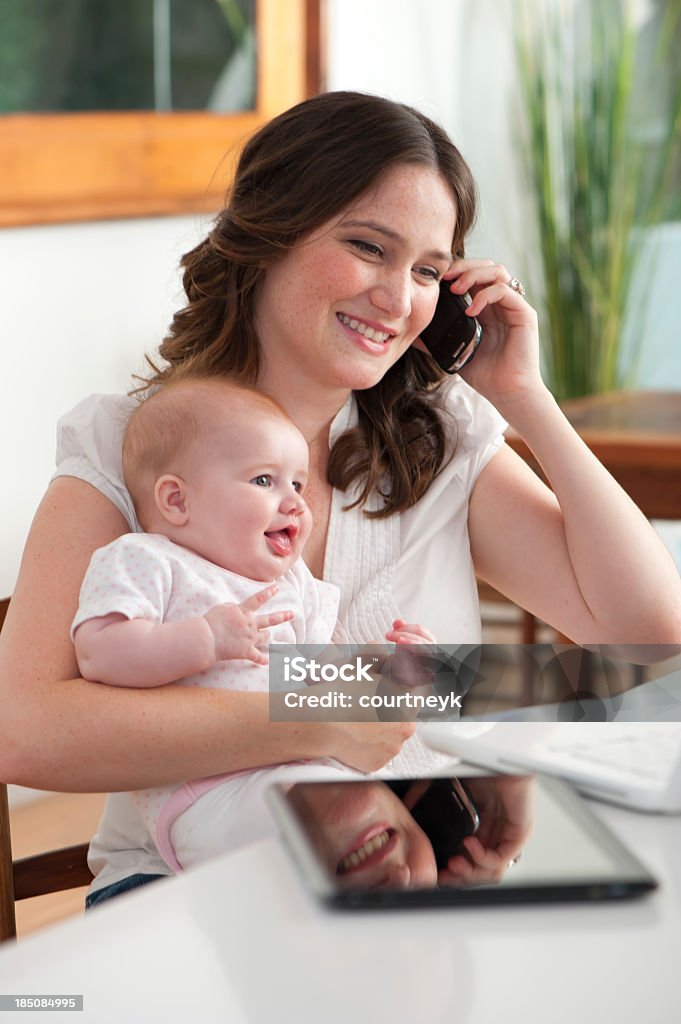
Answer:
(108, 55)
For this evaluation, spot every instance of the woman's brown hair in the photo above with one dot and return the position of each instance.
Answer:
(295, 174)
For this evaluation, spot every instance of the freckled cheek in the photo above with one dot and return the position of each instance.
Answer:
(321, 292)
(334, 282)
(302, 299)
(284, 305)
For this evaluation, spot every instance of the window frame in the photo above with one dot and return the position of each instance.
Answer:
(92, 166)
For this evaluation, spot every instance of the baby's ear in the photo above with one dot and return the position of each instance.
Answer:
(170, 495)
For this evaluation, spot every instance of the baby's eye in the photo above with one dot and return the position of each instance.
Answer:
(264, 480)
(298, 486)
(369, 248)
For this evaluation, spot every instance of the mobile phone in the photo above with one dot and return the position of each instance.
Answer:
(443, 809)
(451, 337)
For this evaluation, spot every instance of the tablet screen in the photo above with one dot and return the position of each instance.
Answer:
(485, 839)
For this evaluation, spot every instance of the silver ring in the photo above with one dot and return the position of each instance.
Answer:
(515, 860)
(517, 286)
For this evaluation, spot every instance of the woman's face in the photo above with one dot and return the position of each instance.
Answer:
(339, 309)
(366, 836)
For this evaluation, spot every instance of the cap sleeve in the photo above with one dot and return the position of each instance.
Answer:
(128, 576)
(476, 431)
(90, 446)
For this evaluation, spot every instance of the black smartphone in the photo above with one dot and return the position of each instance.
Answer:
(443, 809)
(451, 337)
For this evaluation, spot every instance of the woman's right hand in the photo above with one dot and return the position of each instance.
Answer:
(367, 746)
(338, 726)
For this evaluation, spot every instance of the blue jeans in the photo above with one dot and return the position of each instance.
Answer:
(116, 888)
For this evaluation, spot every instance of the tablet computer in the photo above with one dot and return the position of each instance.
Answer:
(491, 839)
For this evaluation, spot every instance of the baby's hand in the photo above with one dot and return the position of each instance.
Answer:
(409, 633)
(405, 666)
(239, 632)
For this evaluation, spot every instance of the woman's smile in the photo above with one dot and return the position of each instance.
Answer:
(365, 834)
(368, 332)
(366, 853)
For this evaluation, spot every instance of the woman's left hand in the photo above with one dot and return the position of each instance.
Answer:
(506, 364)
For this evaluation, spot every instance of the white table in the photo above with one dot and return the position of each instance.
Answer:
(239, 940)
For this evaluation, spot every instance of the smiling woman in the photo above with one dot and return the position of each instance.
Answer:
(370, 253)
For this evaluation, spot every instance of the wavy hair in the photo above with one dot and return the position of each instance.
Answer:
(295, 174)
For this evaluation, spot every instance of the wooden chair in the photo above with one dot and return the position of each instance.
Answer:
(52, 871)
(527, 624)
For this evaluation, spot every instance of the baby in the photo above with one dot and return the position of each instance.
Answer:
(217, 473)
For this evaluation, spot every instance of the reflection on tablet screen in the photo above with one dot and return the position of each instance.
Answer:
(502, 838)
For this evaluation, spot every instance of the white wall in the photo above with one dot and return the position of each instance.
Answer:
(79, 307)
(453, 60)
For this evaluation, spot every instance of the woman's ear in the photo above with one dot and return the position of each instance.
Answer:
(170, 498)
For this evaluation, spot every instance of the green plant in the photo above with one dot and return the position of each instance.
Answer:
(596, 177)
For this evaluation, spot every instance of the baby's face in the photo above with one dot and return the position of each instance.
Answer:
(246, 507)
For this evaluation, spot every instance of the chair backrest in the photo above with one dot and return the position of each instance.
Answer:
(52, 871)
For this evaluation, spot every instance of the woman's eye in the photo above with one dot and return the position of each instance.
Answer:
(369, 248)
(429, 272)
(264, 480)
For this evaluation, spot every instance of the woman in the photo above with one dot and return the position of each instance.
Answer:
(314, 285)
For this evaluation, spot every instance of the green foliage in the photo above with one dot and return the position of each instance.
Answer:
(598, 175)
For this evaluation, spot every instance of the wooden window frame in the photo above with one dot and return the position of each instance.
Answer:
(94, 166)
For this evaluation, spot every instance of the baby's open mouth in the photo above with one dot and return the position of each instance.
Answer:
(281, 541)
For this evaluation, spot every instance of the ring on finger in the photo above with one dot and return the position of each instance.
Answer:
(516, 286)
